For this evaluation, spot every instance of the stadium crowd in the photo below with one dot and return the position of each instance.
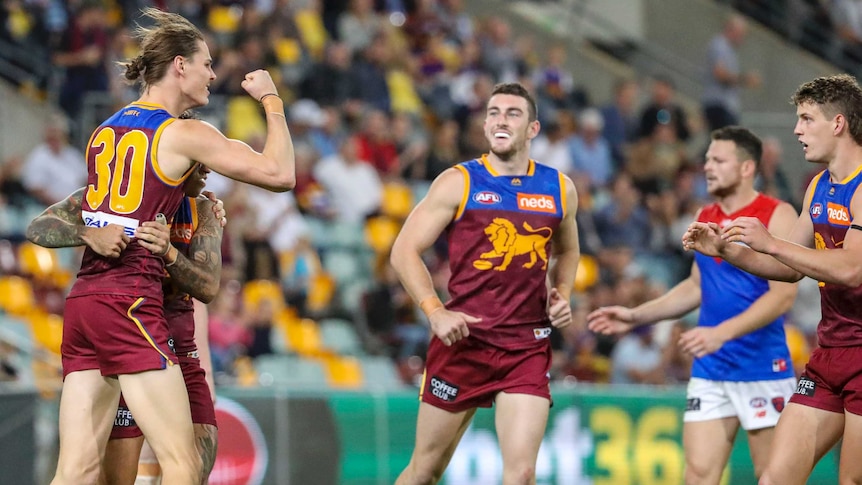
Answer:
(381, 97)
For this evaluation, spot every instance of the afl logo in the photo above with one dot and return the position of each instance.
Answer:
(816, 210)
(487, 197)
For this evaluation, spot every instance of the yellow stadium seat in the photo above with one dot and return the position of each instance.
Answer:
(380, 233)
(588, 273)
(312, 32)
(47, 330)
(224, 19)
(287, 50)
(255, 291)
(321, 290)
(397, 200)
(303, 337)
(16, 296)
(243, 118)
(344, 372)
(800, 351)
(37, 261)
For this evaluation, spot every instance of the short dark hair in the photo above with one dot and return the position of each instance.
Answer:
(516, 89)
(748, 145)
(838, 94)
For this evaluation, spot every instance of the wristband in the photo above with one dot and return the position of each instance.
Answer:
(272, 104)
(266, 96)
(430, 305)
(176, 257)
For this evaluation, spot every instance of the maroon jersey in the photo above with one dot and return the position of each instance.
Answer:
(499, 248)
(126, 186)
(841, 314)
(179, 308)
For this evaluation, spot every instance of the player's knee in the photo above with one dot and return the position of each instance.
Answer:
(75, 474)
(696, 474)
(519, 474)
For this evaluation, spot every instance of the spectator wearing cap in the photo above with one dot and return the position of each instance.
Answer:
(307, 123)
(663, 109)
(591, 154)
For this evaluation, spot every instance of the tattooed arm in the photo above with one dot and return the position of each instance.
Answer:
(200, 274)
(61, 226)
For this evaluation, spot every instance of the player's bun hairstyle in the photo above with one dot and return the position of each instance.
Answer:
(838, 94)
(171, 36)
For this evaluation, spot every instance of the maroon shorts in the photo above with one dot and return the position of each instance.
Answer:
(200, 401)
(116, 334)
(832, 380)
(469, 374)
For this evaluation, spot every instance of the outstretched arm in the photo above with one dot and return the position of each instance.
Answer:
(61, 226)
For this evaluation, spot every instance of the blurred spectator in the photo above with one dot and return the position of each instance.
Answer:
(359, 25)
(637, 358)
(677, 362)
(621, 119)
(411, 143)
(591, 153)
(772, 180)
(444, 152)
(229, 336)
(260, 323)
(847, 23)
(655, 160)
(82, 53)
(554, 84)
(551, 147)
(624, 221)
(725, 78)
(352, 184)
(54, 168)
(375, 144)
(498, 52)
(369, 75)
(330, 81)
(663, 109)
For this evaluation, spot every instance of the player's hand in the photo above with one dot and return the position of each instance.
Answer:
(449, 326)
(611, 320)
(701, 341)
(257, 83)
(750, 231)
(108, 241)
(704, 238)
(218, 208)
(155, 237)
(559, 309)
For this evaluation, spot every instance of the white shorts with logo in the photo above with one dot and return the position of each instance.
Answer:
(756, 404)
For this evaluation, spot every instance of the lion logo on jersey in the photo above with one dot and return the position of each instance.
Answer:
(508, 243)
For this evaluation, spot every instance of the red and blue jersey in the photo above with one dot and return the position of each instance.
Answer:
(727, 291)
(499, 249)
(126, 186)
(841, 312)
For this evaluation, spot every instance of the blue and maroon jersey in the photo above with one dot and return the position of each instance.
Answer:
(179, 308)
(841, 312)
(727, 291)
(499, 248)
(126, 186)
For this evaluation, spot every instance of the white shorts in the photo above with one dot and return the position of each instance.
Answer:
(756, 404)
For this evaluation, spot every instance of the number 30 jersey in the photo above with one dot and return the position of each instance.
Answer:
(126, 186)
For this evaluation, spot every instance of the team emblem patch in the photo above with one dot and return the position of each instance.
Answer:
(778, 403)
(692, 404)
(541, 333)
(805, 387)
(779, 365)
(757, 402)
(443, 390)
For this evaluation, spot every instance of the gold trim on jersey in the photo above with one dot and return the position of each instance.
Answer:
(531, 167)
(147, 105)
(563, 205)
(852, 175)
(193, 207)
(810, 194)
(465, 196)
(155, 159)
(143, 330)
